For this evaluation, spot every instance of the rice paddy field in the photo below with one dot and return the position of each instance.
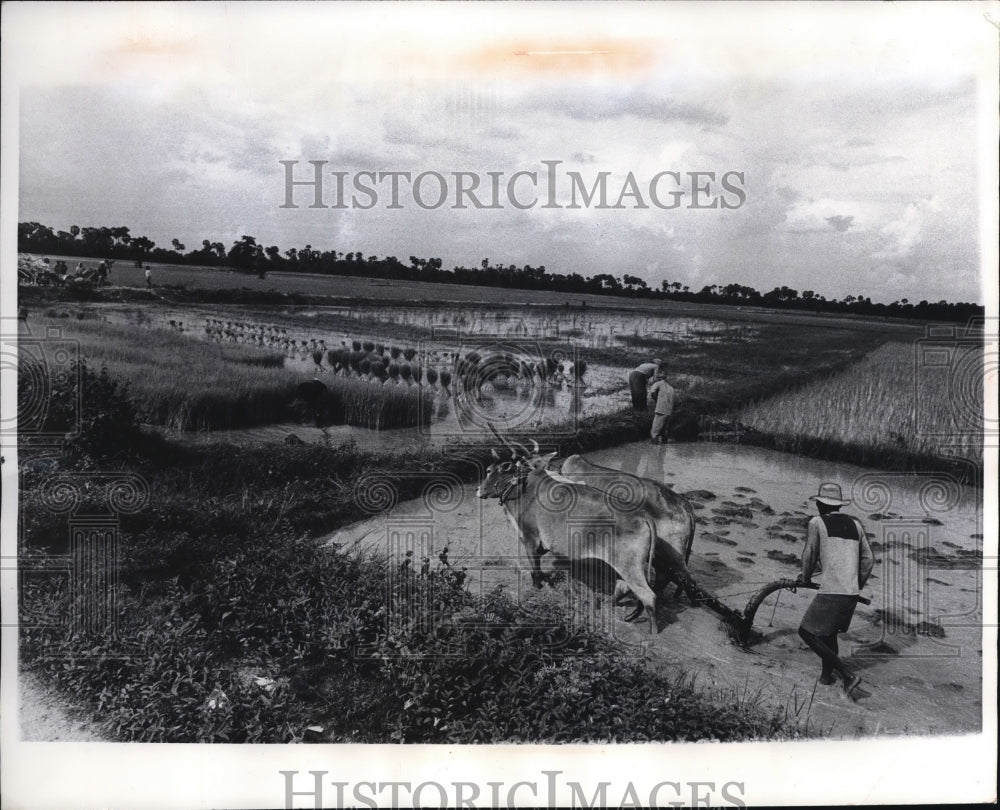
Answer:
(247, 517)
(427, 372)
(185, 384)
(896, 398)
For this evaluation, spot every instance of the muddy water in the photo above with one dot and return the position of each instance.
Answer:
(918, 646)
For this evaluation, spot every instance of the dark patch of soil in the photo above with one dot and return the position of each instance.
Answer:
(962, 558)
(734, 511)
(700, 494)
(714, 538)
(782, 556)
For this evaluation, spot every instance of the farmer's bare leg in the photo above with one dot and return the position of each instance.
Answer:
(827, 676)
(831, 661)
(659, 424)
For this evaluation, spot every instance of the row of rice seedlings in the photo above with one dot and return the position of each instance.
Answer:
(381, 407)
(250, 355)
(101, 341)
(208, 398)
(185, 384)
(887, 402)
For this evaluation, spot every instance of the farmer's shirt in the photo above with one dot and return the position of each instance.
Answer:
(664, 395)
(837, 543)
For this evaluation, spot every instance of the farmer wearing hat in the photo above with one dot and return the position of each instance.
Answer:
(836, 545)
(638, 378)
(661, 394)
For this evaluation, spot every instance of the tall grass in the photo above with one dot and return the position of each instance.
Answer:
(890, 402)
(188, 384)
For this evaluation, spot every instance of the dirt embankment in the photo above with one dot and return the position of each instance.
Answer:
(46, 717)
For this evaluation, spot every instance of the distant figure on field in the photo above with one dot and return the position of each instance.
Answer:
(638, 378)
(837, 543)
(149, 276)
(661, 394)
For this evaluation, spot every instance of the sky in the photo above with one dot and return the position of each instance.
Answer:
(856, 131)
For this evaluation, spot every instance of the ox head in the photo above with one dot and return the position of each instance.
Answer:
(511, 468)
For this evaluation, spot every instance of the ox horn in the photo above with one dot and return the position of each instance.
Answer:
(502, 440)
(516, 448)
(535, 448)
(494, 453)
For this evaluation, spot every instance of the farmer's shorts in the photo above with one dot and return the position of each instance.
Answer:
(637, 385)
(829, 613)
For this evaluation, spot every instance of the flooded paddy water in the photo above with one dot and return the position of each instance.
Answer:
(918, 645)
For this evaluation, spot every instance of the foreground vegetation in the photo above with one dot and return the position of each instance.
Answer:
(235, 627)
(185, 384)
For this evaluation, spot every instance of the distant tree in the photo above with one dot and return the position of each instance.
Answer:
(142, 246)
(245, 253)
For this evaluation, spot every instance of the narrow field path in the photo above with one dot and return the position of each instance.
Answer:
(45, 716)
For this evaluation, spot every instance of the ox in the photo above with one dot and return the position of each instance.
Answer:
(671, 513)
(574, 522)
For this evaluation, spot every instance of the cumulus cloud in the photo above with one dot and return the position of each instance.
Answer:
(906, 231)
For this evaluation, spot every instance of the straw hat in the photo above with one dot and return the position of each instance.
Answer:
(830, 495)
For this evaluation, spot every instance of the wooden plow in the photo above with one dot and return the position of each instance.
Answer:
(740, 624)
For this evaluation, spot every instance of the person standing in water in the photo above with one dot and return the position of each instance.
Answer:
(638, 379)
(661, 394)
(837, 545)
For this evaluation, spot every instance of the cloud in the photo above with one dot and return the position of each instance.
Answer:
(840, 223)
(906, 231)
(609, 104)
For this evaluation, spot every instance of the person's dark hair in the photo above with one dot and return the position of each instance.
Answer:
(826, 509)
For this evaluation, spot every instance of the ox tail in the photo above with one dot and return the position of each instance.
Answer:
(650, 569)
(689, 510)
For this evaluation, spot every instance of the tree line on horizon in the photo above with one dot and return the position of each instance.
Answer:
(246, 255)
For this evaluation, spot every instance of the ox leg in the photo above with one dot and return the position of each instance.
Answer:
(647, 600)
(535, 550)
(635, 580)
(624, 596)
